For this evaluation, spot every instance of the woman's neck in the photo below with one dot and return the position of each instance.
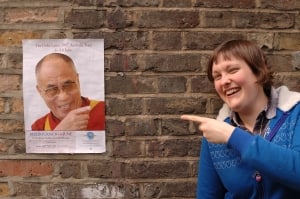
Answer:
(249, 116)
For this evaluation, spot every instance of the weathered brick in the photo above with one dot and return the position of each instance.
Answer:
(87, 190)
(27, 189)
(263, 20)
(132, 190)
(128, 149)
(225, 3)
(2, 14)
(170, 84)
(288, 41)
(171, 63)
(28, 15)
(174, 148)
(214, 104)
(195, 166)
(105, 169)
(133, 3)
(11, 125)
(85, 18)
(14, 60)
(25, 168)
(169, 189)
(177, 127)
(14, 38)
(131, 84)
(178, 189)
(2, 61)
(62, 190)
(4, 189)
(215, 19)
(291, 81)
(70, 169)
(156, 169)
(172, 41)
(119, 19)
(297, 21)
(19, 147)
(167, 19)
(280, 5)
(56, 35)
(2, 105)
(142, 126)
(177, 3)
(296, 61)
(5, 144)
(114, 128)
(123, 63)
(101, 190)
(119, 40)
(9, 82)
(178, 105)
(209, 40)
(201, 84)
(264, 40)
(124, 106)
(16, 106)
(89, 2)
(280, 62)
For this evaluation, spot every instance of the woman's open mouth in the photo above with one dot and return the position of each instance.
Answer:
(232, 91)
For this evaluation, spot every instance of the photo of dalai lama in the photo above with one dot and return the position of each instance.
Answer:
(57, 82)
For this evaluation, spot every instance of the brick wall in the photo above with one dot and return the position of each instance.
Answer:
(155, 57)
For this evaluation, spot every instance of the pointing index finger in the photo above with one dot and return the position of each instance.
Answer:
(192, 118)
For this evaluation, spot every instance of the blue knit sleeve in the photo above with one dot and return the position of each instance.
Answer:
(209, 185)
(278, 159)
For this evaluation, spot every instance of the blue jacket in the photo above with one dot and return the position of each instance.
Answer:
(229, 170)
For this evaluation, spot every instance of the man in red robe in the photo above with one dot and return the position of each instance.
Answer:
(58, 84)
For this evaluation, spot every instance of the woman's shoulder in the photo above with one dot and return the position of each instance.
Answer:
(287, 99)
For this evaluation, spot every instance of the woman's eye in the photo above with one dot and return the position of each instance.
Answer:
(233, 70)
(217, 77)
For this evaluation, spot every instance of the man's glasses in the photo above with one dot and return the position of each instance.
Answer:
(67, 87)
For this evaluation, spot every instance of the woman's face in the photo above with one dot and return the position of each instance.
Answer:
(236, 84)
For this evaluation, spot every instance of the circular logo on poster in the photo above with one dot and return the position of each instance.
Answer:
(90, 135)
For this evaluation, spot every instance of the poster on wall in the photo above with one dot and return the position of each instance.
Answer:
(63, 92)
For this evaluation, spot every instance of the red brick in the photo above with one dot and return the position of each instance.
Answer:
(25, 168)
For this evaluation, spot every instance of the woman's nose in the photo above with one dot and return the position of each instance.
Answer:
(225, 80)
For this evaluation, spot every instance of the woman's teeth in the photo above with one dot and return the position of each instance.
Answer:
(232, 91)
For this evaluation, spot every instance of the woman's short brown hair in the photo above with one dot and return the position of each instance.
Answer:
(248, 52)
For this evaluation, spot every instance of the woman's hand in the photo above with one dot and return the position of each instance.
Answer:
(213, 130)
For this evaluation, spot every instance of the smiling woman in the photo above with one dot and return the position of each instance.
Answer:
(256, 133)
(237, 85)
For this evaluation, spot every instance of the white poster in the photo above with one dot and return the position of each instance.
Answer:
(63, 89)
